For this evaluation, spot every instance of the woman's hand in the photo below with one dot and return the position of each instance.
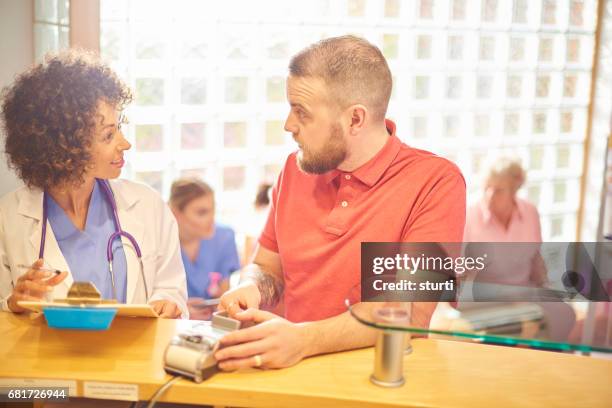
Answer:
(33, 285)
(166, 308)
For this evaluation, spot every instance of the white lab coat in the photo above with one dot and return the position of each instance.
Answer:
(142, 213)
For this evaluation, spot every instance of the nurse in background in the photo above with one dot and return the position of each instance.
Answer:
(62, 121)
(208, 249)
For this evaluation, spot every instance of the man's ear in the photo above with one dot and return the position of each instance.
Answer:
(358, 115)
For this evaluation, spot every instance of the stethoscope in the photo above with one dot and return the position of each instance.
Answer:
(110, 198)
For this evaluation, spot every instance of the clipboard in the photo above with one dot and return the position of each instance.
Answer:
(131, 310)
(85, 296)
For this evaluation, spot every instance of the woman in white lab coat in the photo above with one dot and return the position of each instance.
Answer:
(62, 121)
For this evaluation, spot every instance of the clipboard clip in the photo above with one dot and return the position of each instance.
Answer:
(84, 293)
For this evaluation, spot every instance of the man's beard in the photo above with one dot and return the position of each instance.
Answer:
(328, 158)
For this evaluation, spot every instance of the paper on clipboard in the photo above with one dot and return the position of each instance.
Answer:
(131, 310)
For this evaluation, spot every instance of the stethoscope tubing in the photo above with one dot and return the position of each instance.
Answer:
(119, 232)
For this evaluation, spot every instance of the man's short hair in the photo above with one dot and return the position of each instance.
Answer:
(354, 71)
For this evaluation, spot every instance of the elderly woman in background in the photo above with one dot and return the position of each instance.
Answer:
(502, 216)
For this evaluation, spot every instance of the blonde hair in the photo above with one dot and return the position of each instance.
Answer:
(185, 190)
(509, 169)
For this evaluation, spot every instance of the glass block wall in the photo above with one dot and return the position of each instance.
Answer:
(51, 26)
(473, 79)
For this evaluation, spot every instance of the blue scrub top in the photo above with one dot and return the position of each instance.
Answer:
(85, 251)
(217, 254)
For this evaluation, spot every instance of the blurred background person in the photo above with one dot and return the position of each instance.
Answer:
(208, 249)
(257, 221)
(501, 216)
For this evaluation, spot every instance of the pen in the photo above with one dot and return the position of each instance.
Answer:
(55, 271)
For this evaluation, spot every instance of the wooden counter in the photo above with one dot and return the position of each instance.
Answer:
(439, 373)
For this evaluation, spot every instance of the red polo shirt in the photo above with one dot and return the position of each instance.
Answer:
(317, 222)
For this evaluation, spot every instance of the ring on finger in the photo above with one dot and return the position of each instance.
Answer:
(258, 361)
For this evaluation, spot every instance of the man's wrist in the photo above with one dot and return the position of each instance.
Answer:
(250, 276)
(268, 288)
(308, 334)
(248, 280)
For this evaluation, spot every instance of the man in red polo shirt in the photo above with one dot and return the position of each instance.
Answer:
(351, 181)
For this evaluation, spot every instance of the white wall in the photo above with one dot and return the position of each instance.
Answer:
(17, 55)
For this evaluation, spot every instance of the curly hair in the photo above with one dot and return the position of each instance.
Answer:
(49, 117)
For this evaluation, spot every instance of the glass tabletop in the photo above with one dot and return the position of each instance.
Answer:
(481, 292)
(583, 327)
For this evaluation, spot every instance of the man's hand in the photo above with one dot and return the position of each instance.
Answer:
(277, 343)
(166, 309)
(244, 296)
